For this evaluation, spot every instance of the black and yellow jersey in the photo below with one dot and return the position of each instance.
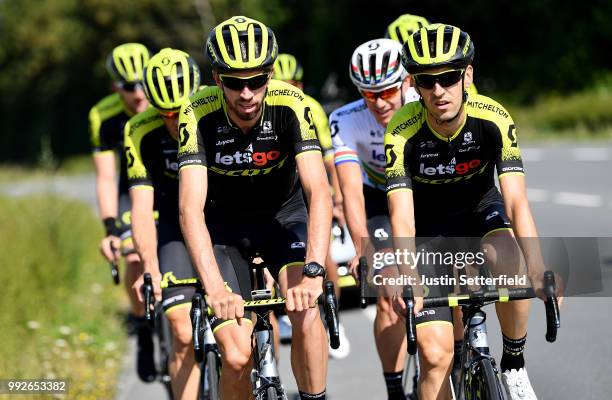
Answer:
(151, 155)
(254, 173)
(106, 123)
(322, 127)
(449, 176)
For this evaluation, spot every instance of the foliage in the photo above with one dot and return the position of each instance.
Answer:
(60, 313)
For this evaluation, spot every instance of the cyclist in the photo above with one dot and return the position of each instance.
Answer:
(357, 130)
(287, 68)
(441, 154)
(247, 148)
(151, 146)
(404, 26)
(106, 122)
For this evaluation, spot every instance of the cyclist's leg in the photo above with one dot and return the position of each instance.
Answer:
(389, 329)
(174, 258)
(309, 348)
(234, 337)
(435, 339)
(502, 255)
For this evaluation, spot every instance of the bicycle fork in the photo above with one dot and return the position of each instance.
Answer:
(265, 372)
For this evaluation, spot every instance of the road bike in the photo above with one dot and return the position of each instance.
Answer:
(479, 376)
(265, 378)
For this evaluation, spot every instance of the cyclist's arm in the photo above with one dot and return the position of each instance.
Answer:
(143, 227)
(193, 186)
(106, 186)
(517, 208)
(351, 185)
(316, 188)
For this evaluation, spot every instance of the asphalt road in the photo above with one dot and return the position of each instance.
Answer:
(570, 194)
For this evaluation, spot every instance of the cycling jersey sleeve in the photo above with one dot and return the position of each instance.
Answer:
(508, 155)
(191, 144)
(343, 142)
(102, 122)
(404, 124)
(322, 127)
(299, 116)
(138, 175)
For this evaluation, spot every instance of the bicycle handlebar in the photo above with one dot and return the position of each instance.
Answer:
(114, 267)
(196, 325)
(328, 299)
(553, 321)
(480, 297)
(410, 321)
(363, 273)
(147, 290)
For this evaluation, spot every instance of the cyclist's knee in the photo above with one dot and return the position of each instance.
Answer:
(436, 346)
(303, 322)
(234, 360)
(385, 309)
(181, 328)
(133, 260)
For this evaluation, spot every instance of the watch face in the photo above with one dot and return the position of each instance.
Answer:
(313, 269)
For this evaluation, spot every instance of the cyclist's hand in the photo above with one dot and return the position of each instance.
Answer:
(354, 267)
(110, 248)
(399, 305)
(139, 283)
(537, 282)
(338, 213)
(305, 294)
(226, 305)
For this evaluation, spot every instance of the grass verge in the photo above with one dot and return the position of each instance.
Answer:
(61, 316)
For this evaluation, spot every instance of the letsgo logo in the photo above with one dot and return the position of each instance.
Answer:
(451, 169)
(258, 159)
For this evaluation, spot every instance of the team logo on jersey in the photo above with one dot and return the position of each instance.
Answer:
(224, 142)
(266, 127)
(467, 138)
(298, 245)
(427, 144)
(451, 169)
(223, 129)
(376, 133)
(381, 233)
(492, 215)
(390, 154)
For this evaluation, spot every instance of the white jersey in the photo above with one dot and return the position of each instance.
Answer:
(358, 137)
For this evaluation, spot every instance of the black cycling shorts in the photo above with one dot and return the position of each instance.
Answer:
(280, 240)
(488, 216)
(377, 214)
(174, 258)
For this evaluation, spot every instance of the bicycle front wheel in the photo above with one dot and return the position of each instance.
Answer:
(210, 381)
(488, 385)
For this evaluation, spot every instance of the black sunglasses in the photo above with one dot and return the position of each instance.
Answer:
(130, 87)
(238, 83)
(445, 79)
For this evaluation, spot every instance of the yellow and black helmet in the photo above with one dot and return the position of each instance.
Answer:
(287, 68)
(241, 43)
(404, 26)
(170, 77)
(437, 45)
(127, 61)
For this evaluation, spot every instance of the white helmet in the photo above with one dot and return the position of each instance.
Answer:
(376, 64)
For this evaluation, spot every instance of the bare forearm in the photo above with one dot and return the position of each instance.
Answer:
(526, 234)
(354, 211)
(144, 234)
(319, 225)
(107, 196)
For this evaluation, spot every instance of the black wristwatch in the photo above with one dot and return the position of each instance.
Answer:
(313, 269)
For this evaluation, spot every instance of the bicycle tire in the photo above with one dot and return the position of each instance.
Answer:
(211, 369)
(488, 383)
